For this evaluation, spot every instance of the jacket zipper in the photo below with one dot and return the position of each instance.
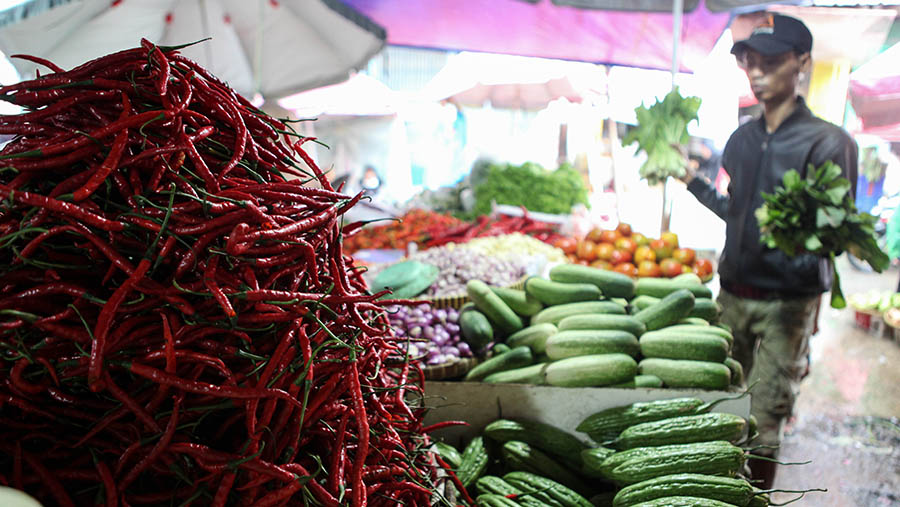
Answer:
(763, 163)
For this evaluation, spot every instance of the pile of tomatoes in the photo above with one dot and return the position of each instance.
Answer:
(634, 254)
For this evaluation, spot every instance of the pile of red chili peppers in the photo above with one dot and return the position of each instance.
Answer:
(178, 322)
(485, 226)
(415, 226)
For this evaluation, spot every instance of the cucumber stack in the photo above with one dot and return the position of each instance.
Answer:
(674, 452)
(589, 327)
(527, 463)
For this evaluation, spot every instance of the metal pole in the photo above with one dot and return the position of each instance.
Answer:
(677, 13)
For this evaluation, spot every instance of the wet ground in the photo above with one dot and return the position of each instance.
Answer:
(847, 416)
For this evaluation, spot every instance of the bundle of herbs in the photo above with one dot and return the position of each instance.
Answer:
(818, 215)
(660, 129)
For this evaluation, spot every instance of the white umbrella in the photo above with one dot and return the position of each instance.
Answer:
(271, 47)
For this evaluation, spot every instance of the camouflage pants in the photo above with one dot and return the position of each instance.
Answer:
(771, 341)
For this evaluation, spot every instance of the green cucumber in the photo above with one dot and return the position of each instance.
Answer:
(493, 485)
(669, 310)
(555, 492)
(475, 329)
(688, 277)
(491, 500)
(533, 374)
(687, 373)
(534, 337)
(499, 313)
(606, 424)
(603, 321)
(760, 499)
(643, 463)
(662, 287)
(515, 358)
(558, 293)
(706, 309)
(641, 302)
(591, 370)
(647, 381)
(582, 342)
(692, 321)
(592, 460)
(737, 371)
(685, 429)
(520, 456)
(500, 348)
(554, 314)
(731, 490)
(519, 301)
(545, 437)
(448, 453)
(474, 462)
(691, 329)
(683, 501)
(697, 347)
(610, 283)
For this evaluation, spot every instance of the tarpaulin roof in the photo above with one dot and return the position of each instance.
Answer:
(875, 93)
(542, 28)
(878, 76)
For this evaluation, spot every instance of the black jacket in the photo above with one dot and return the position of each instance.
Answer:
(756, 162)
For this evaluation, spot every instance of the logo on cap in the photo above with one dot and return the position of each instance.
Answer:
(767, 26)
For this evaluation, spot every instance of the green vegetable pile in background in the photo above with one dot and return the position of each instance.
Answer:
(818, 215)
(660, 128)
(531, 186)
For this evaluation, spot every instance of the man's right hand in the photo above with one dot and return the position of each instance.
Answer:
(690, 166)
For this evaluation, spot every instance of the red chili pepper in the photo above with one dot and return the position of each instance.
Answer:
(104, 321)
(211, 389)
(158, 449)
(109, 485)
(61, 207)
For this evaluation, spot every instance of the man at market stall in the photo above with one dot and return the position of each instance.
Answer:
(771, 300)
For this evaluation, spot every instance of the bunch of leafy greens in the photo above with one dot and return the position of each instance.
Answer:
(531, 186)
(818, 215)
(660, 128)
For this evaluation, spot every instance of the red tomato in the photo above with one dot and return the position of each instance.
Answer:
(595, 235)
(602, 264)
(684, 255)
(605, 251)
(670, 267)
(649, 269)
(586, 250)
(620, 256)
(628, 244)
(703, 268)
(623, 229)
(644, 253)
(609, 236)
(566, 244)
(627, 268)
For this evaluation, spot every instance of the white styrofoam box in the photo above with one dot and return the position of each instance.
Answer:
(479, 404)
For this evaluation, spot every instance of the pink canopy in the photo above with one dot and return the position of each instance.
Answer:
(875, 92)
(541, 28)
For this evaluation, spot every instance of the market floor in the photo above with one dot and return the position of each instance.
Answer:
(847, 415)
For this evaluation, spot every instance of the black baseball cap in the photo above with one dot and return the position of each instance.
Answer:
(776, 35)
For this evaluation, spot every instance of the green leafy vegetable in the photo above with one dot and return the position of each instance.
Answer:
(818, 215)
(531, 186)
(660, 128)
